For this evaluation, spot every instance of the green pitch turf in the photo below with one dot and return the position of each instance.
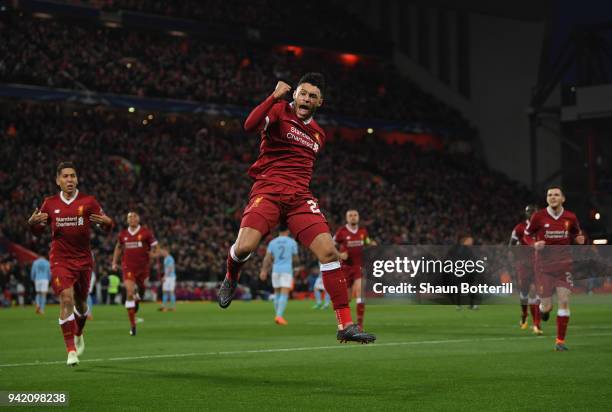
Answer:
(204, 358)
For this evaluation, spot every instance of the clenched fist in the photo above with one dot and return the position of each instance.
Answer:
(281, 90)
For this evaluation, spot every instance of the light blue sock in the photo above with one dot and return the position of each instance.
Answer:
(276, 300)
(172, 299)
(37, 300)
(317, 293)
(282, 305)
(327, 299)
(90, 304)
(164, 298)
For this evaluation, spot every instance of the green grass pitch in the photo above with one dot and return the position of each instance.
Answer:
(204, 358)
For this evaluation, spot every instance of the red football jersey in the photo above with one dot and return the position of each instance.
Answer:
(557, 231)
(352, 241)
(289, 146)
(136, 247)
(70, 229)
(524, 254)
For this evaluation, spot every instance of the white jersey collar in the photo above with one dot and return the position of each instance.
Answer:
(68, 201)
(552, 213)
(135, 230)
(348, 227)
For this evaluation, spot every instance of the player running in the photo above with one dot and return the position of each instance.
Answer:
(319, 290)
(290, 142)
(524, 273)
(40, 275)
(351, 239)
(139, 246)
(551, 231)
(168, 281)
(281, 256)
(70, 215)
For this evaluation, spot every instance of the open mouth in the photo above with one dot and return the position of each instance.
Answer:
(303, 109)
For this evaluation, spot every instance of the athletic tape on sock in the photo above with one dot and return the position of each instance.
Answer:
(563, 312)
(68, 319)
(235, 258)
(130, 304)
(532, 301)
(329, 266)
(359, 300)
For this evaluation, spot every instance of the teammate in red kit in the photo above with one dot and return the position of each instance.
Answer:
(351, 239)
(139, 246)
(551, 231)
(524, 259)
(290, 142)
(71, 215)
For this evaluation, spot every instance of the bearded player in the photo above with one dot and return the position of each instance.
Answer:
(551, 231)
(139, 246)
(524, 273)
(290, 142)
(70, 215)
(350, 239)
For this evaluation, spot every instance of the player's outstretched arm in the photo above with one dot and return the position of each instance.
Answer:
(105, 222)
(38, 221)
(256, 119)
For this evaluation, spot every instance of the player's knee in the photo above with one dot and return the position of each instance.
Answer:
(66, 298)
(243, 247)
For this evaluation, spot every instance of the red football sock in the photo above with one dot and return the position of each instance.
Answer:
(68, 327)
(334, 281)
(80, 322)
(562, 321)
(535, 314)
(360, 314)
(234, 265)
(523, 313)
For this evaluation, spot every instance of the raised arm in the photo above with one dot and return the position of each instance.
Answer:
(257, 118)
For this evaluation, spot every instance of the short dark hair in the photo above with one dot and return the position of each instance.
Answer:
(314, 78)
(555, 187)
(282, 227)
(65, 165)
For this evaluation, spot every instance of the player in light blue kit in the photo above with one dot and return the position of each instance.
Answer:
(319, 290)
(41, 275)
(282, 254)
(168, 281)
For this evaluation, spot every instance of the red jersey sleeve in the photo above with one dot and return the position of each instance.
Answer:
(263, 115)
(532, 228)
(151, 238)
(96, 209)
(575, 229)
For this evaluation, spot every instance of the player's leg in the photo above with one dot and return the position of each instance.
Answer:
(534, 307)
(283, 298)
(563, 317)
(261, 215)
(165, 296)
(130, 301)
(37, 301)
(81, 309)
(545, 288)
(357, 292)
(172, 294)
(334, 281)
(62, 283)
(523, 287)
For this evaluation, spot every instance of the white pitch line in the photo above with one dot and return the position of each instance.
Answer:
(298, 349)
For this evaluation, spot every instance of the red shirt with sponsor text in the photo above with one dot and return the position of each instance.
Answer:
(70, 229)
(558, 231)
(136, 247)
(289, 145)
(352, 241)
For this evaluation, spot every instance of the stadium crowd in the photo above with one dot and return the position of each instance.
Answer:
(186, 175)
(41, 52)
(334, 25)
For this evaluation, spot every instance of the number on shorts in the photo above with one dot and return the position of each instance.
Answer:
(313, 206)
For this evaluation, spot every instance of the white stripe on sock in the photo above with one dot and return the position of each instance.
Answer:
(563, 312)
(130, 304)
(68, 319)
(235, 258)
